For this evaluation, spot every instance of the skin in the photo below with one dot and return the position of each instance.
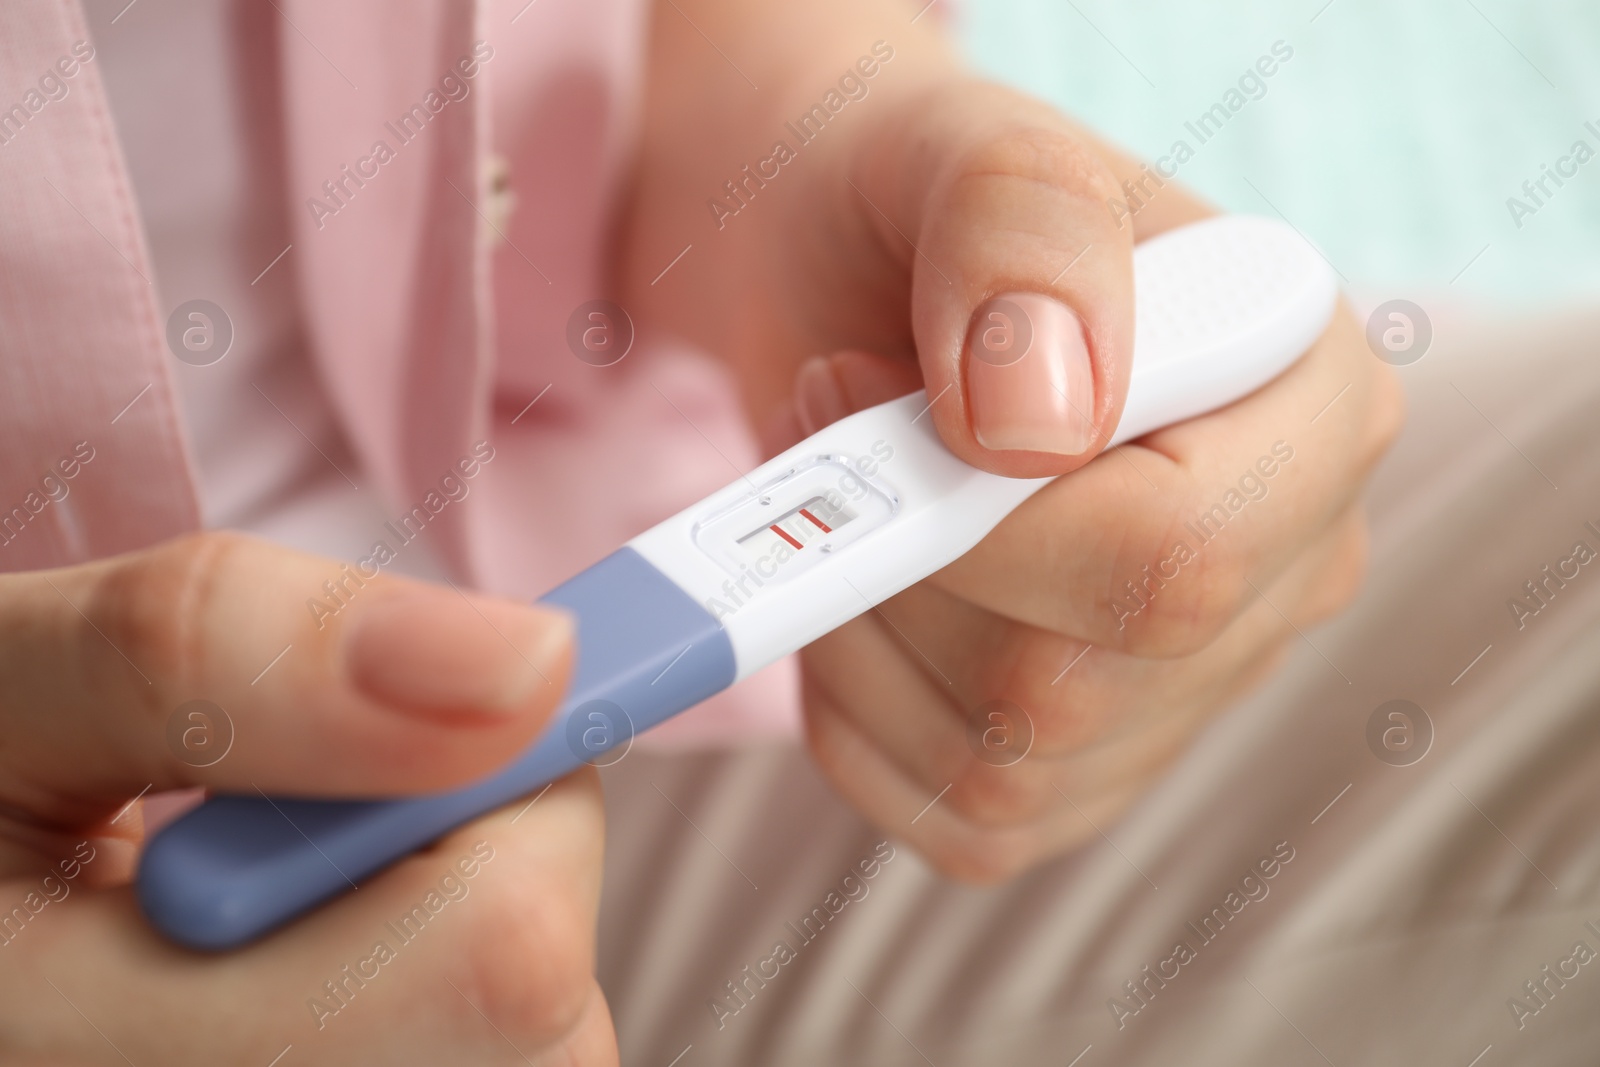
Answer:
(868, 254)
(863, 263)
(84, 732)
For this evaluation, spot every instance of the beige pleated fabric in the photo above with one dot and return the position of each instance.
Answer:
(1436, 912)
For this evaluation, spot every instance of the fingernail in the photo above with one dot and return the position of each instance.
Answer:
(430, 650)
(819, 400)
(1029, 380)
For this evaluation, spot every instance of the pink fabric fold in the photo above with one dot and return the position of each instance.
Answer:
(392, 268)
(435, 306)
(92, 456)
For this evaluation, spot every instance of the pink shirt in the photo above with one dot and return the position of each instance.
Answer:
(336, 209)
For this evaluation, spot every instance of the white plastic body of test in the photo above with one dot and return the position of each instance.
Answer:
(1222, 307)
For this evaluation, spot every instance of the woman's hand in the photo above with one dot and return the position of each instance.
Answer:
(1039, 684)
(406, 687)
(932, 214)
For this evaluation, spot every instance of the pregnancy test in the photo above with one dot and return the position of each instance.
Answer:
(795, 548)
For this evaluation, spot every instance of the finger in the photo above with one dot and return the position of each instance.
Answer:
(870, 688)
(1082, 694)
(957, 846)
(921, 677)
(487, 957)
(319, 679)
(934, 739)
(1021, 283)
(1149, 548)
(827, 388)
(1147, 202)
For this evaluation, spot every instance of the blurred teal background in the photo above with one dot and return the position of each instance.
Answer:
(1392, 138)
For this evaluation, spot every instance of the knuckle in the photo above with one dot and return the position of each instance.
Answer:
(1036, 153)
(1070, 711)
(998, 796)
(1080, 716)
(1340, 579)
(1190, 612)
(152, 605)
(529, 967)
(1221, 591)
(1172, 592)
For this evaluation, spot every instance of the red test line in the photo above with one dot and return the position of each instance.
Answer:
(784, 534)
(818, 523)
